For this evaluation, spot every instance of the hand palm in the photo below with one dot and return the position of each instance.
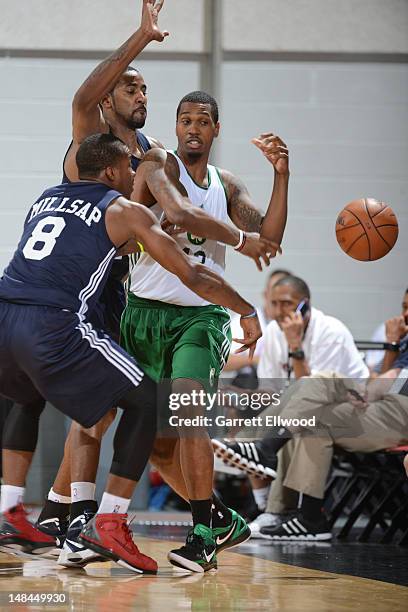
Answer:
(150, 19)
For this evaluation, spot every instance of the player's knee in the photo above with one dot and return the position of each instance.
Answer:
(98, 431)
(21, 427)
(142, 398)
(163, 452)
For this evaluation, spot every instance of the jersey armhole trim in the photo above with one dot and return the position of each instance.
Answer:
(223, 184)
(195, 182)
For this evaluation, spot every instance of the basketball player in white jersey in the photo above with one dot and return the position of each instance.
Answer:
(183, 340)
(180, 338)
(169, 342)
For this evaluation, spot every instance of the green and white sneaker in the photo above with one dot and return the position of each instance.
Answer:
(199, 552)
(236, 533)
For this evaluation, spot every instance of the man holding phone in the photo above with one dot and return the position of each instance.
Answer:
(300, 341)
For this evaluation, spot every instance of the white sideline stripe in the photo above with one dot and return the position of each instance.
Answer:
(114, 357)
(94, 281)
(104, 341)
(225, 349)
(117, 354)
(84, 294)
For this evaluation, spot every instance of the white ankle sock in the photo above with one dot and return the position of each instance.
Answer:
(261, 497)
(56, 497)
(113, 503)
(82, 491)
(10, 497)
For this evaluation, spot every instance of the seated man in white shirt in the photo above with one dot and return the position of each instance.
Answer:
(391, 331)
(300, 341)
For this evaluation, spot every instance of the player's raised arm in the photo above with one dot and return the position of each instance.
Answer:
(87, 117)
(157, 179)
(242, 210)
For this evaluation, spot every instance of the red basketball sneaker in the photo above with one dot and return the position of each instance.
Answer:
(17, 533)
(110, 536)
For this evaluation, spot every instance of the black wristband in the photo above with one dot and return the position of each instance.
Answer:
(394, 347)
(299, 354)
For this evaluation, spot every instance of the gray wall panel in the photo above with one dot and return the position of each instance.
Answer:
(317, 25)
(96, 24)
(344, 145)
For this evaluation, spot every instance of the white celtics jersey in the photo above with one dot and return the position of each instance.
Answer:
(149, 280)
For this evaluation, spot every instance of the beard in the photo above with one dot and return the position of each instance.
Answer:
(136, 122)
(194, 156)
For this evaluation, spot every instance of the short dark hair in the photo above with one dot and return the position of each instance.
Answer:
(201, 97)
(296, 283)
(97, 152)
(280, 271)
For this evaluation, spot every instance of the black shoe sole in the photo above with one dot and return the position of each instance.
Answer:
(26, 545)
(191, 566)
(113, 556)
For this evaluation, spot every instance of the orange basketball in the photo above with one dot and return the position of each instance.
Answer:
(367, 229)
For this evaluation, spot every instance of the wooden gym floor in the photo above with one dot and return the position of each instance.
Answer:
(246, 579)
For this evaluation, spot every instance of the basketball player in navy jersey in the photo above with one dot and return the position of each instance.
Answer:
(71, 235)
(111, 100)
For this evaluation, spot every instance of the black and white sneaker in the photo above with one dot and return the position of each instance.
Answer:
(74, 553)
(57, 528)
(246, 456)
(298, 528)
(199, 552)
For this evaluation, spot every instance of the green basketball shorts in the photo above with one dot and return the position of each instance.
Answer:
(170, 341)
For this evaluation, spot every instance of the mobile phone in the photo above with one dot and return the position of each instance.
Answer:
(303, 307)
(356, 395)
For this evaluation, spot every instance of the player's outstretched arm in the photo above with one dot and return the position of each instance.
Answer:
(87, 118)
(157, 179)
(127, 220)
(242, 210)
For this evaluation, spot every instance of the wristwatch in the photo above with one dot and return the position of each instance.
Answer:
(394, 347)
(299, 354)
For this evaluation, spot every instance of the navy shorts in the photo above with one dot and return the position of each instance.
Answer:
(47, 352)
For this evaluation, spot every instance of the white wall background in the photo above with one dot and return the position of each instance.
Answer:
(346, 125)
(340, 100)
(344, 121)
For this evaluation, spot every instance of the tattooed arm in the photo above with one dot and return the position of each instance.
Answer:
(242, 212)
(87, 117)
(157, 180)
(240, 205)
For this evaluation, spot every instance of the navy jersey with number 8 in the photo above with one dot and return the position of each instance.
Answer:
(52, 265)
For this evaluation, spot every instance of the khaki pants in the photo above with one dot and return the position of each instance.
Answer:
(304, 462)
